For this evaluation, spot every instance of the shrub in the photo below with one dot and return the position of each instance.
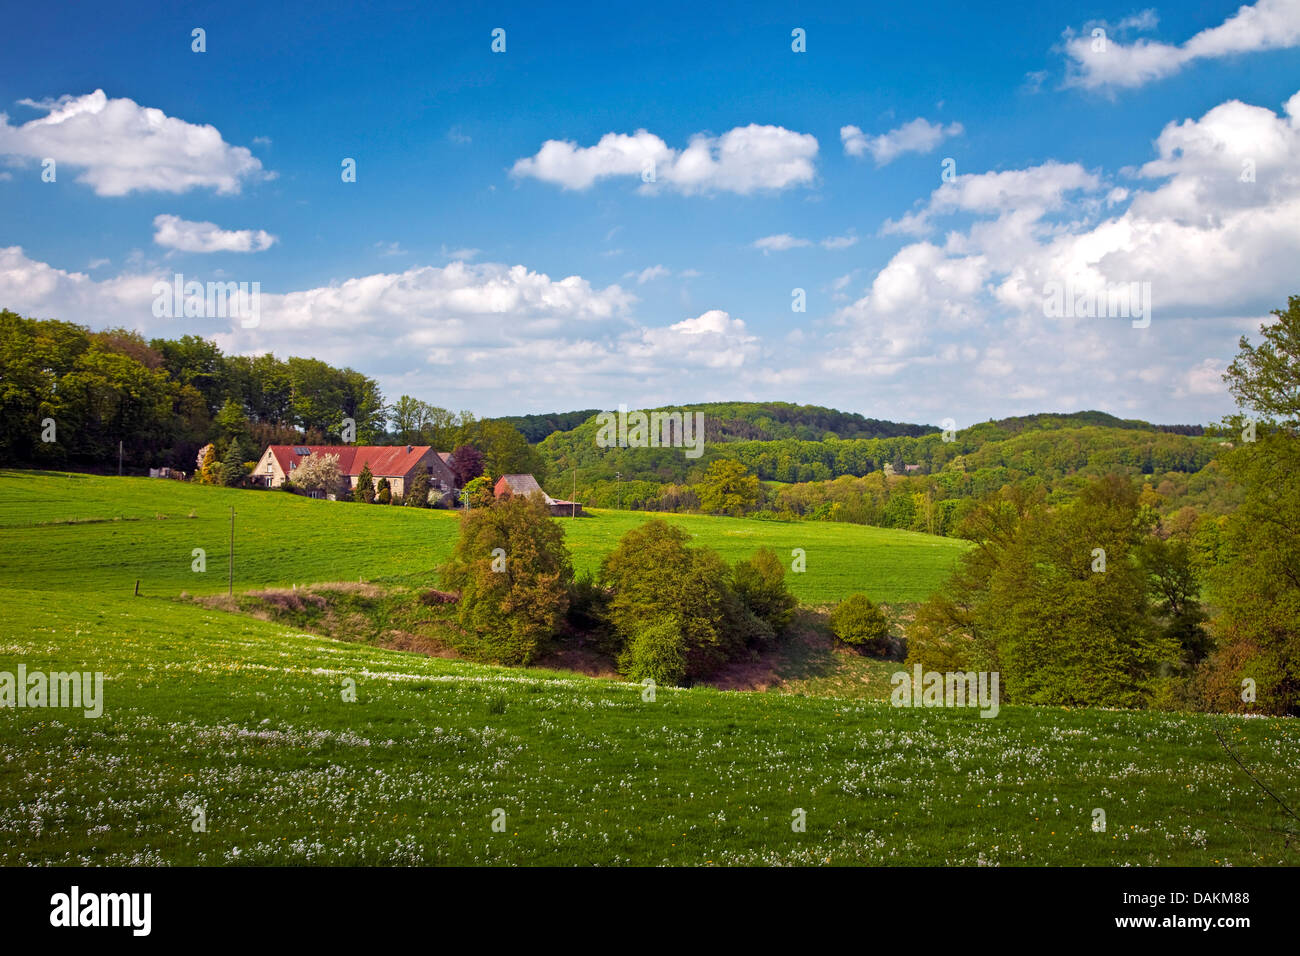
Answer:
(589, 610)
(417, 495)
(760, 585)
(510, 607)
(232, 470)
(480, 492)
(656, 651)
(859, 623)
(652, 574)
(383, 492)
(319, 473)
(364, 493)
(208, 466)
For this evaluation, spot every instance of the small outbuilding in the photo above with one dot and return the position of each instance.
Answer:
(527, 485)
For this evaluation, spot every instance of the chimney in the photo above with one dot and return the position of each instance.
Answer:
(409, 448)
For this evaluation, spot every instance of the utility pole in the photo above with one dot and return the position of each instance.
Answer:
(575, 492)
(618, 483)
(119, 458)
(230, 587)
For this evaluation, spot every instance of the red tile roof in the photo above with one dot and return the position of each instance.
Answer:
(517, 485)
(385, 461)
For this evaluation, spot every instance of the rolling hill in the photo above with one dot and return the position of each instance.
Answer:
(102, 534)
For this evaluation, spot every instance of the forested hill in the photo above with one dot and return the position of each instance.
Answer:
(771, 421)
(536, 427)
(1007, 427)
(1055, 449)
(742, 421)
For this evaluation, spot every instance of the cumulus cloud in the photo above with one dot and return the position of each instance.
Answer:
(491, 336)
(37, 289)
(1101, 62)
(918, 136)
(952, 325)
(1217, 247)
(1038, 189)
(711, 340)
(122, 147)
(173, 232)
(744, 160)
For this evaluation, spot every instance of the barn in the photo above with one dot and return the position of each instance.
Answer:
(527, 485)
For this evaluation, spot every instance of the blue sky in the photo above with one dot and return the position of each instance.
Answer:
(475, 266)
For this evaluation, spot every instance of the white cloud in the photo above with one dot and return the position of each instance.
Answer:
(780, 243)
(1267, 25)
(744, 160)
(173, 232)
(1205, 378)
(839, 242)
(489, 336)
(1038, 189)
(1215, 250)
(465, 254)
(952, 325)
(648, 274)
(783, 241)
(122, 147)
(1142, 20)
(711, 340)
(918, 136)
(40, 290)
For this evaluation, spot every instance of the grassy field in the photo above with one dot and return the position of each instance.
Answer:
(102, 534)
(247, 722)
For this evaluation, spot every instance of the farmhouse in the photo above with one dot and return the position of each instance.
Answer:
(398, 463)
(527, 485)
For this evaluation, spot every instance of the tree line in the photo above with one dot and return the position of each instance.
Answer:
(69, 396)
(1099, 600)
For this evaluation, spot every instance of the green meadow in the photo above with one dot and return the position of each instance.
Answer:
(248, 727)
(102, 534)
(247, 722)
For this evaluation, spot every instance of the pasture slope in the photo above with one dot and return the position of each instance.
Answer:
(101, 534)
(248, 722)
